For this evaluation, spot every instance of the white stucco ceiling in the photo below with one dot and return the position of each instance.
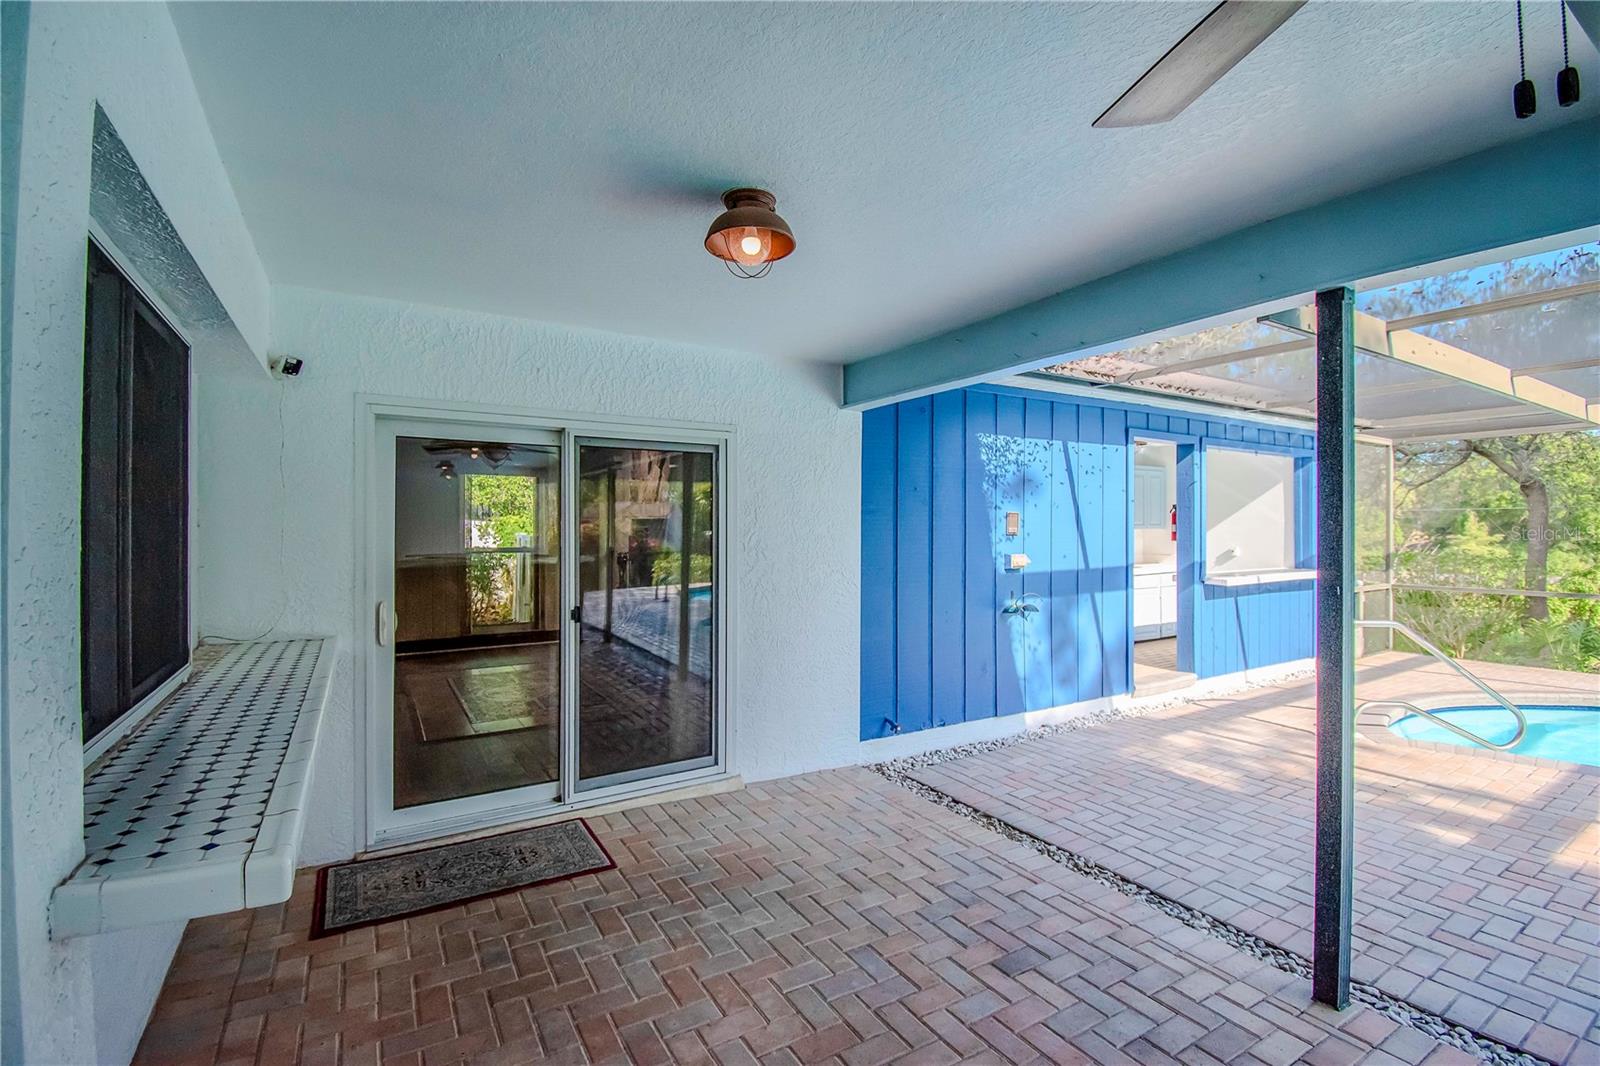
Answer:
(561, 162)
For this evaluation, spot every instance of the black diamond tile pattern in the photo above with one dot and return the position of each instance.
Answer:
(196, 776)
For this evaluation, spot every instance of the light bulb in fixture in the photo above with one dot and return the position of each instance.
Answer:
(747, 247)
(749, 236)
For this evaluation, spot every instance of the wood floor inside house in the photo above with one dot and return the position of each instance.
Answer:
(485, 720)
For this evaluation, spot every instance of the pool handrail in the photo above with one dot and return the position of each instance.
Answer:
(1427, 646)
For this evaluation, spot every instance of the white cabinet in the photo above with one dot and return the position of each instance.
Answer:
(1146, 611)
(1155, 604)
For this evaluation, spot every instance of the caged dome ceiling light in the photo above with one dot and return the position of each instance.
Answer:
(749, 236)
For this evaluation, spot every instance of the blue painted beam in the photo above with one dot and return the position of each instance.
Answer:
(1525, 190)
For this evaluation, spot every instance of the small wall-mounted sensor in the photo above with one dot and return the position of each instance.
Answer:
(1013, 523)
(1017, 561)
(289, 366)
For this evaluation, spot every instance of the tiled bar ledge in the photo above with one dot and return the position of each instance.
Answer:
(200, 810)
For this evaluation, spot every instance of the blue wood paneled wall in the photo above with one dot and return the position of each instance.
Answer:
(939, 474)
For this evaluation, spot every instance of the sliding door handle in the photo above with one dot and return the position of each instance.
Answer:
(384, 624)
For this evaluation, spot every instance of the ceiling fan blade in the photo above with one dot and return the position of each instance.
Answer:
(1230, 32)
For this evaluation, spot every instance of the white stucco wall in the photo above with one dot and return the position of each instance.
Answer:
(85, 1000)
(796, 478)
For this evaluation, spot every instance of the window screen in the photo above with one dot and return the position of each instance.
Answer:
(135, 498)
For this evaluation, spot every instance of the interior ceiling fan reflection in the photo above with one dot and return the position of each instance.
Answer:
(493, 454)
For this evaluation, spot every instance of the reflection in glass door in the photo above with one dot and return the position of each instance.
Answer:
(477, 608)
(647, 591)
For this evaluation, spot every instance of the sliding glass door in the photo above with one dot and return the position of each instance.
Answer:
(647, 611)
(547, 621)
(476, 618)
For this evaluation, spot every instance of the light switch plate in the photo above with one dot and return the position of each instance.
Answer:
(1017, 561)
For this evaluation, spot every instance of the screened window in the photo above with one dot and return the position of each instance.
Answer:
(135, 499)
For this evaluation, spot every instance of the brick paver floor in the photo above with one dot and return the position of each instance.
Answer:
(1477, 888)
(829, 918)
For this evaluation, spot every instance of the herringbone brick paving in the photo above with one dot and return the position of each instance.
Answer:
(829, 918)
(1477, 887)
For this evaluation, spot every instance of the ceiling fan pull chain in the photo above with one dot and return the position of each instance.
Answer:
(1522, 59)
(1567, 80)
(1523, 99)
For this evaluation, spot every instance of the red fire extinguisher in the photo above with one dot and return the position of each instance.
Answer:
(1174, 517)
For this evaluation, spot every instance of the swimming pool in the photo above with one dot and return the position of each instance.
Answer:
(1567, 732)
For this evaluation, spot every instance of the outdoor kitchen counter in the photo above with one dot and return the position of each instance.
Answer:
(1249, 578)
(199, 811)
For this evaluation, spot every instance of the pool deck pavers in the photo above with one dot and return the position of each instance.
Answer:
(833, 918)
(1477, 889)
(838, 918)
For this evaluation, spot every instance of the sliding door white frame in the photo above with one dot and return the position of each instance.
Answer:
(382, 825)
(384, 636)
(651, 778)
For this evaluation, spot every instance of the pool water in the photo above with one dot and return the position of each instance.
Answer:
(1568, 733)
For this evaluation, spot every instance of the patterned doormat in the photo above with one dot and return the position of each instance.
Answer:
(365, 892)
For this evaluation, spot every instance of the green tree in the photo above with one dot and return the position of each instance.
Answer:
(1557, 478)
(501, 506)
(1516, 513)
(505, 505)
